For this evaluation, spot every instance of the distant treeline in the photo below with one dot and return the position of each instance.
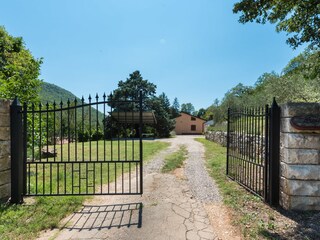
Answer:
(299, 81)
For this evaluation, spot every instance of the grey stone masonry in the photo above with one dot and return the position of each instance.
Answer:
(300, 159)
(5, 173)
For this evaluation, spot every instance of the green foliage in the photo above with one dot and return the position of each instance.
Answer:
(188, 108)
(130, 90)
(53, 93)
(201, 113)
(175, 160)
(19, 70)
(299, 82)
(175, 108)
(161, 107)
(298, 18)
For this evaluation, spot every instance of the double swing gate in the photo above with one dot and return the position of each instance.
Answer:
(77, 148)
(253, 145)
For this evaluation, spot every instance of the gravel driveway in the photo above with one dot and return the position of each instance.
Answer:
(173, 206)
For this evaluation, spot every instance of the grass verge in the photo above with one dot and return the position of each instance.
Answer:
(27, 220)
(256, 219)
(175, 160)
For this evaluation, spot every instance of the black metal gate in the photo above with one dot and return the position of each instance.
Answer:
(253, 143)
(77, 148)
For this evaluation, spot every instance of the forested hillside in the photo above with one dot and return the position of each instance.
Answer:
(50, 92)
(299, 81)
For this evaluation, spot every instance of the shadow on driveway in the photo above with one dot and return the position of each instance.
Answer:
(105, 216)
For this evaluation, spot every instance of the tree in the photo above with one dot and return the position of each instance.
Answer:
(187, 107)
(130, 89)
(19, 70)
(165, 102)
(300, 18)
(162, 113)
(175, 108)
(201, 113)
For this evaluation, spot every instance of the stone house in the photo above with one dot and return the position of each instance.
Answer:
(189, 124)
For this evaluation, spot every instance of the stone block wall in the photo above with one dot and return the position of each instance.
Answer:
(300, 159)
(239, 142)
(217, 137)
(5, 173)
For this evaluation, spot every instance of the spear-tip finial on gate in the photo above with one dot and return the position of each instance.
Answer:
(104, 96)
(90, 98)
(274, 103)
(16, 101)
(82, 99)
(97, 97)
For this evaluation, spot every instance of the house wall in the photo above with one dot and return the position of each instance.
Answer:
(184, 123)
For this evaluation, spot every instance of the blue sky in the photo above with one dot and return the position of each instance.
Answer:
(193, 50)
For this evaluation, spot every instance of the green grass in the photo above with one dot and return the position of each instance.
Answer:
(58, 177)
(256, 219)
(175, 160)
(26, 221)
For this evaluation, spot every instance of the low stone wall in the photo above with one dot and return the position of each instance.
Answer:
(5, 173)
(300, 159)
(217, 136)
(240, 141)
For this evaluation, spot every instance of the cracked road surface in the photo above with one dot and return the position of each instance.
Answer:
(168, 209)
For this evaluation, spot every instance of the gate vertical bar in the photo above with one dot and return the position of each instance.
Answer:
(140, 140)
(25, 136)
(16, 152)
(274, 162)
(228, 141)
(266, 155)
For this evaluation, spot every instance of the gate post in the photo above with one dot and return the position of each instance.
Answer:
(274, 166)
(140, 140)
(16, 152)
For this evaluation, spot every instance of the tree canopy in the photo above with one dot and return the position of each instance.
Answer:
(299, 81)
(188, 108)
(298, 18)
(19, 70)
(130, 89)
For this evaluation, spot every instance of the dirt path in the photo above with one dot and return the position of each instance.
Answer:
(184, 205)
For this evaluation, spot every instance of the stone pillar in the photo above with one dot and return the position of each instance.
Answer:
(300, 158)
(5, 173)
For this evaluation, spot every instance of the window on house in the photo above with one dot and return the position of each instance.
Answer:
(193, 127)
(193, 119)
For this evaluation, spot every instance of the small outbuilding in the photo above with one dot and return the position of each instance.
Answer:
(188, 124)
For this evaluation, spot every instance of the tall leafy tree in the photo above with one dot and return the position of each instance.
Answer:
(298, 18)
(162, 113)
(19, 70)
(188, 108)
(175, 108)
(130, 89)
(165, 102)
(201, 113)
